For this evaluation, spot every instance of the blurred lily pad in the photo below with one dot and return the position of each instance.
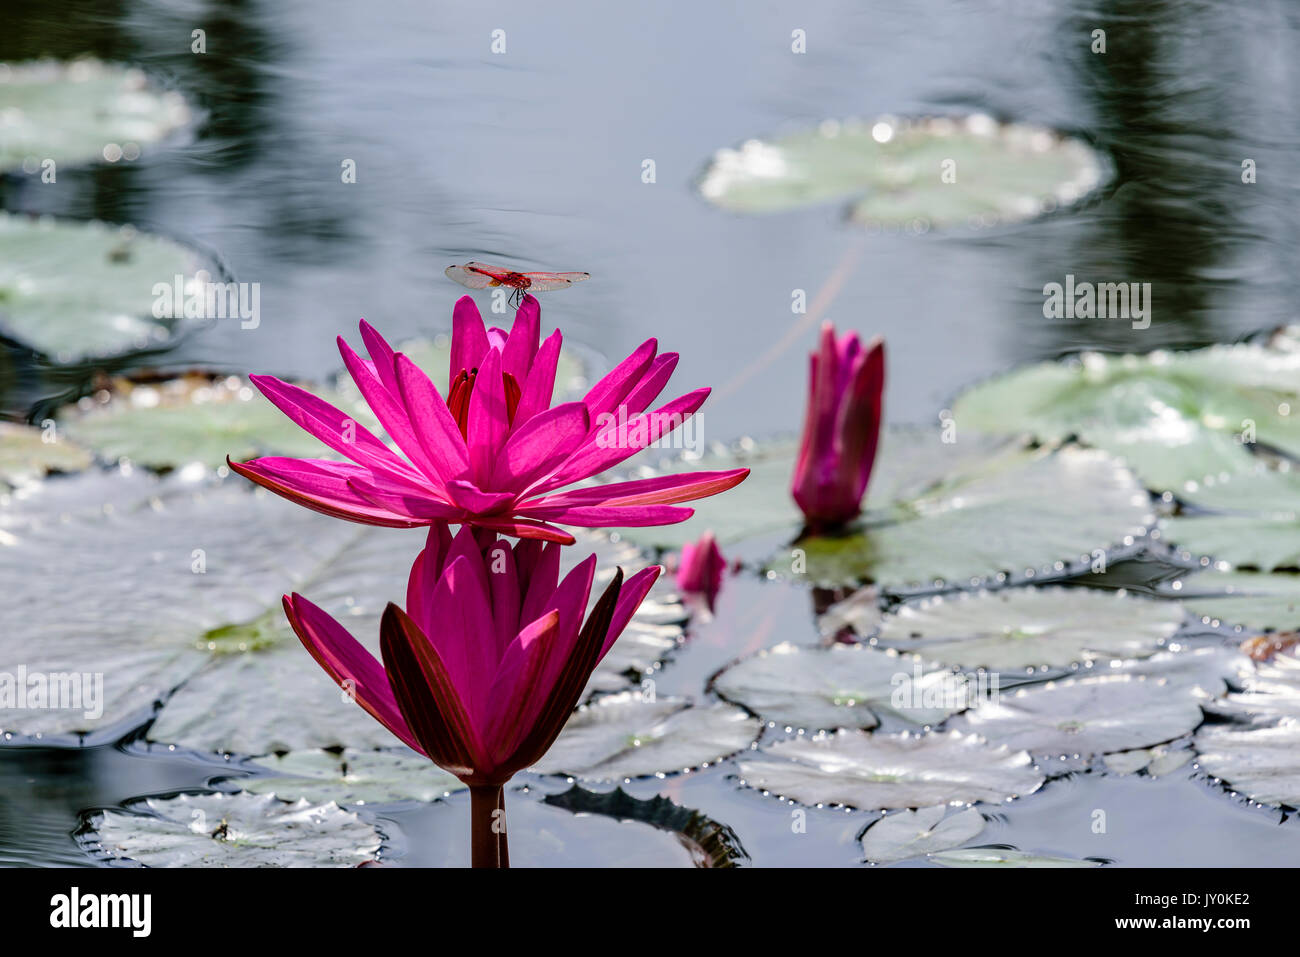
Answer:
(80, 291)
(83, 111)
(979, 509)
(1269, 691)
(350, 777)
(1006, 857)
(1262, 763)
(907, 834)
(1026, 628)
(920, 173)
(1253, 600)
(1156, 762)
(841, 686)
(232, 830)
(1253, 520)
(629, 735)
(28, 452)
(193, 418)
(882, 771)
(1177, 418)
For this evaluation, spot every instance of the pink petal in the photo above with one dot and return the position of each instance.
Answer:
(322, 486)
(630, 597)
(535, 450)
(610, 516)
(488, 422)
(469, 497)
(521, 344)
(348, 663)
(463, 633)
(469, 342)
(538, 389)
(606, 394)
(660, 490)
(434, 427)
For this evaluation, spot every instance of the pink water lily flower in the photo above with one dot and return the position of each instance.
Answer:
(841, 428)
(482, 669)
(493, 452)
(700, 568)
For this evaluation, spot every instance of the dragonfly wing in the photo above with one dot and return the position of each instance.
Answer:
(469, 277)
(543, 281)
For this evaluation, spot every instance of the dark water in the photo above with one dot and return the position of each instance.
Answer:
(534, 157)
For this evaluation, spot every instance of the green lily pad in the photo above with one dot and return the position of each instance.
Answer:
(842, 686)
(203, 631)
(979, 509)
(629, 735)
(232, 830)
(907, 834)
(27, 453)
(1269, 691)
(1005, 857)
(79, 291)
(883, 771)
(1028, 628)
(1176, 418)
(1261, 763)
(919, 173)
(185, 420)
(1252, 600)
(352, 777)
(85, 111)
(1156, 762)
(1254, 520)
(1085, 716)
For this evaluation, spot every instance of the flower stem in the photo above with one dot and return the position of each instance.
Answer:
(488, 826)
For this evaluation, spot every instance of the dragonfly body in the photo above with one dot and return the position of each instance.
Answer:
(478, 275)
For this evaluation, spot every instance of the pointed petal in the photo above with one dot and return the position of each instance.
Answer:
(539, 388)
(322, 486)
(611, 516)
(606, 394)
(629, 600)
(428, 697)
(521, 344)
(344, 659)
(537, 448)
(434, 427)
(660, 490)
(488, 420)
(381, 356)
(469, 341)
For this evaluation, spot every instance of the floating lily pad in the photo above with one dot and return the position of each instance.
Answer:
(1254, 520)
(842, 686)
(882, 771)
(1157, 762)
(78, 291)
(1176, 418)
(1253, 600)
(980, 508)
(1262, 763)
(860, 612)
(188, 419)
(81, 112)
(1269, 691)
(352, 777)
(629, 735)
(1006, 857)
(919, 173)
(1084, 716)
(233, 830)
(27, 452)
(711, 844)
(1026, 628)
(207, 565)
(907, 834)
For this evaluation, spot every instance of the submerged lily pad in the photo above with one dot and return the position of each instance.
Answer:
(1025, 628)
(1006, 857)
(1085, 716)
(883, 771)
(81, 112)
(629, 735)
(233, 830)
(1253, 600)
(841, 686)
(711, 844)
(1262, 763)
(980, 508)
(201, 626)
(921, 173)
(907, 834)
(352, 777)
(1176, 418)
(78, 291)
(27, 452)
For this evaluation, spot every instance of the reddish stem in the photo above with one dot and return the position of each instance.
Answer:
(487, 826)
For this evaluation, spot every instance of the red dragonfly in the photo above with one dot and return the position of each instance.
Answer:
(481, 276)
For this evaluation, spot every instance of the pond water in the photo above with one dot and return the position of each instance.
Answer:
(535, 157)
